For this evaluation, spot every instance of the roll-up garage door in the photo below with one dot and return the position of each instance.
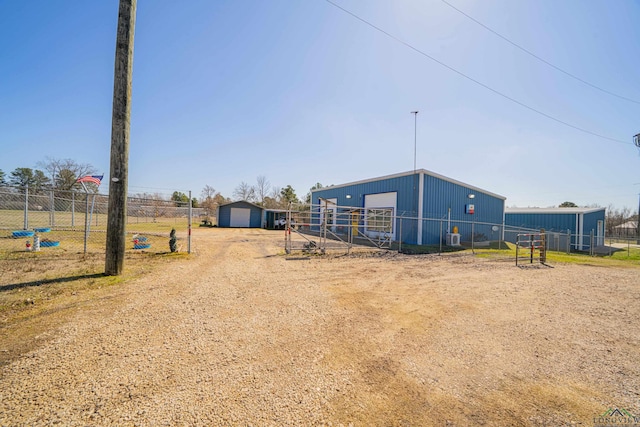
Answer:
(380, 211)
(240, 217)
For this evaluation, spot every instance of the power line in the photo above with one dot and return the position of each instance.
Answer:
(479, 83)
(539, 58)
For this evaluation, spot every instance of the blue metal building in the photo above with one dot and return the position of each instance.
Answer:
(579, 222)
(240, 214)
(423, 206)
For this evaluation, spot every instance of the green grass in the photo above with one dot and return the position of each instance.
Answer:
(14, 220)
(72, 239)
(425, 249)
(620, 258)
(161, 226)
(503, 250)
(616, 259)
(633, 254)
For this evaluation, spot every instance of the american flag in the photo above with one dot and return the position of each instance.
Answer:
(96, 179)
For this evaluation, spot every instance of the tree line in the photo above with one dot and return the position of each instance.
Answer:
(614, 217)
(59, 174)
(262, 193)
(62, 175)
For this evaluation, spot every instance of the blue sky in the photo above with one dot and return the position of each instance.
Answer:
(302, 92)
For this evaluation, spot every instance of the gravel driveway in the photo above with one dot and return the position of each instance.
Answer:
(240, 335)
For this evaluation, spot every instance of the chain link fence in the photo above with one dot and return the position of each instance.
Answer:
(331, 227)
(76, 222)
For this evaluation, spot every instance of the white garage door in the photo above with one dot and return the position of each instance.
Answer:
(240, 217)
(380, 210)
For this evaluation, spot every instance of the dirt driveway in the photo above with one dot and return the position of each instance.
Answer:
(240, 335)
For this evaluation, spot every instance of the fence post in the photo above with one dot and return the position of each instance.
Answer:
(400, 237)
(568, 240)
(591, 245)
(440, 249)
(189, 224)
(73, 208)
(86, 221)
(26, 207)
(531, 248)
(52, 212)
(473, 232)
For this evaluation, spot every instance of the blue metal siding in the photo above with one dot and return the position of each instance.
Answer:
(441, 195)
(560, 222)
(255, 220)
(591, 222)
(402, 185)
(224, 214)
(549, 221)
(438, 196)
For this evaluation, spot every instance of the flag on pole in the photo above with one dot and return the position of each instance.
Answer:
(96, 179)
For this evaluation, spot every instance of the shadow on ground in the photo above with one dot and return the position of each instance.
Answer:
(605, 250)
(10, 286)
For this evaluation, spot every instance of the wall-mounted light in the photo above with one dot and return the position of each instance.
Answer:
(348, 196)
(471, 196)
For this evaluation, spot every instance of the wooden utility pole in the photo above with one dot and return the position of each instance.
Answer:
(120, 124)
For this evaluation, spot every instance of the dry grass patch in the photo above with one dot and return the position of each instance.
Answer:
(41, 291)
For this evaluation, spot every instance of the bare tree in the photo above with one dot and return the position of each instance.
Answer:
(616, 217)
(65, 172)
(208, 192)
(275, 193)
(209, 199)
(262, 188)
(245, 192)
(270, 203)
(273, 200)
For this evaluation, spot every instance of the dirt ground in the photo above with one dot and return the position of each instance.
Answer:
(240, 334)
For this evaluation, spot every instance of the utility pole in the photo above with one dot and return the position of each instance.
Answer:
(415, 152)
(415, 140)
(638, 221)
(414, 225)
(636, 141)
(120, 123)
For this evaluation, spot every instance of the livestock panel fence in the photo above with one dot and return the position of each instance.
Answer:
(76, 221)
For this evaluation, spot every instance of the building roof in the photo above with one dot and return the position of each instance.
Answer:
(409, 173)
(552, 210)
(629, 225)
(241, 201)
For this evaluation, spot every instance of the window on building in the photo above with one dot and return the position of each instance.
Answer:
(379, 220)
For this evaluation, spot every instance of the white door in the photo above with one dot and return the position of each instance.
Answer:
(240, 217)
(380, 212)
(328, 208)
(600, 233)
